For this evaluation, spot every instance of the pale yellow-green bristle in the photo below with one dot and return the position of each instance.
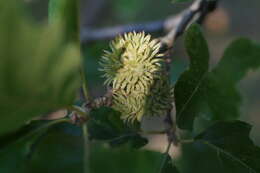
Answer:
(134, 68)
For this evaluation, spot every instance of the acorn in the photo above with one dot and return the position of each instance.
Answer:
(135, 69)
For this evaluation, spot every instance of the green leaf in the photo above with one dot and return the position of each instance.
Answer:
(212, 94)
(124, 160)
(61, 150)
(106, 125)
(39, 72)
(223, 97)
(199, 157)
(188, 87)
(133, 140)
(233, 145)
(16, 148)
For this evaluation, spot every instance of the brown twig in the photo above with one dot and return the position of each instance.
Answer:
(105, 100)
(93, 34)
(195, 13)
(174, 25)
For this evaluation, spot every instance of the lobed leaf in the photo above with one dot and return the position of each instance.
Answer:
(212, 94)
(233, 145)
(189, 89)
(223, 97)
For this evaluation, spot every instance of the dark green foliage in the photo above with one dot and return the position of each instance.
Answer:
(222, 95)
(233, 145)
(60, 149)
(17, 148)
(125, 160)
(223, 147)
(107, 126)
(200, 158)
(212, 94)
(188, 88)
(107, 122)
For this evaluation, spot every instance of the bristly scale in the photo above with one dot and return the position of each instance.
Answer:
(135, 70)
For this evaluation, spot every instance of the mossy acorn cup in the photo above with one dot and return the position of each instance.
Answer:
(135, 69)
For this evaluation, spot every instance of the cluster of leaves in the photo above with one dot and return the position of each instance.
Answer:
(213, 96)
(27, 91)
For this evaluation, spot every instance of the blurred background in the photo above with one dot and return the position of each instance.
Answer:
(232, 19)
